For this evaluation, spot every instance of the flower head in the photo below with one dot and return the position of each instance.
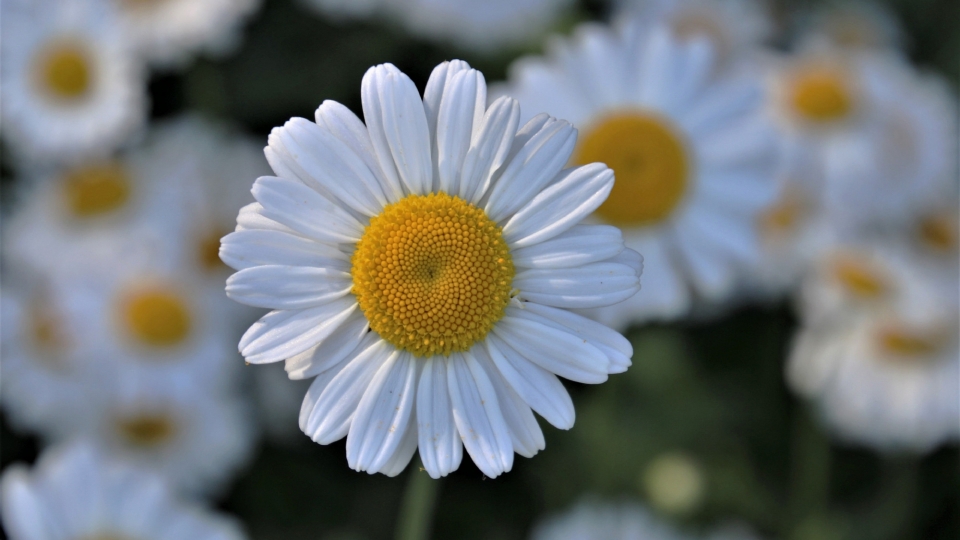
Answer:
(420, 266)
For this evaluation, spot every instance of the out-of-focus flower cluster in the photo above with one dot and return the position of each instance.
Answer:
(757, 159)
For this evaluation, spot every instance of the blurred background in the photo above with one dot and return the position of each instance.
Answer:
(718, 425)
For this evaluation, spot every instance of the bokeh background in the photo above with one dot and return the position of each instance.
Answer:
(703, 428)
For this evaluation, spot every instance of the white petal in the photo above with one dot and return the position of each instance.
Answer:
(580, 245)
(617, 348)
(398, 126)
(712, 273)
(383, 414)
(432, 97)
(408, 446)
(576, 193)
(330, 351)
(251, 217)
(23, 514)
(332, 164)
(464, 101)
(539, 388)
(313, 394)
(530, 167)
(288, 287)
(587, 286)
(331, 414)
(525, 433)
(255, 247)
(555, 350)
(440, 447)
(278, 335)
(489, 149)
(477, 415)
(305, 211)
(344, 125)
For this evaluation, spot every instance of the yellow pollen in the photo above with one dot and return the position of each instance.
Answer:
(906, 343)
(650, 163)
(208, 251)
(821, 94)
(939, 232)
(432, 274)
(64, 71)
(784, 215)
(859, 279)
(96, 189)
(157, 318)
(146, 430)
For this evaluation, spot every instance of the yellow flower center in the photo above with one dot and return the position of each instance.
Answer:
(432, 274)
(785, 214)
(821, 94)
(96, 189)
(939, 232)
(208, 251)
(859, 279)
(906, 343)
(64, 71)
(650, 163)
(157, 318)
(141, 5)
(146, 430)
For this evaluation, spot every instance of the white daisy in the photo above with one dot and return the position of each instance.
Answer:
(626, 520)
(482, 25)
(169, 32)
(887, 376)
(70, 86)
(194, 437)
(853, 24)
(694, 156)
(75, 492)
(904, 160)
(419, 267)
(734, 27)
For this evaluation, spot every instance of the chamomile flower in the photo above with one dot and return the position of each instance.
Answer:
(76, 492)
(168, 32)
(734, 27)
(694, 156)
(420, 267)
(70, 85)
(193, 437)
(889, 376)
(903, 162)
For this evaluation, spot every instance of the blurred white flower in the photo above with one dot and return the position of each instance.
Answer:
(734, 27)
(903, 162)
(674, 482)
(693, 155)
(854, 24)
(70, 85)
(454, 237)
(278, 402)
(482, 25)
(592, 519)
(883, 362)
(168, 32)
(75, 492)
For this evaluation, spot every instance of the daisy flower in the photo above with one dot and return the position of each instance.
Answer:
(624, 520)
(420, 267)
(887, 376)
(733, 27)
(694, 156)
(70, 85)
(904, 160)
(169, 32)
(480, 25)
(75, 492)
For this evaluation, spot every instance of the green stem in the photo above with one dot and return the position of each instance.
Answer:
(810, 468)
(416, 508)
